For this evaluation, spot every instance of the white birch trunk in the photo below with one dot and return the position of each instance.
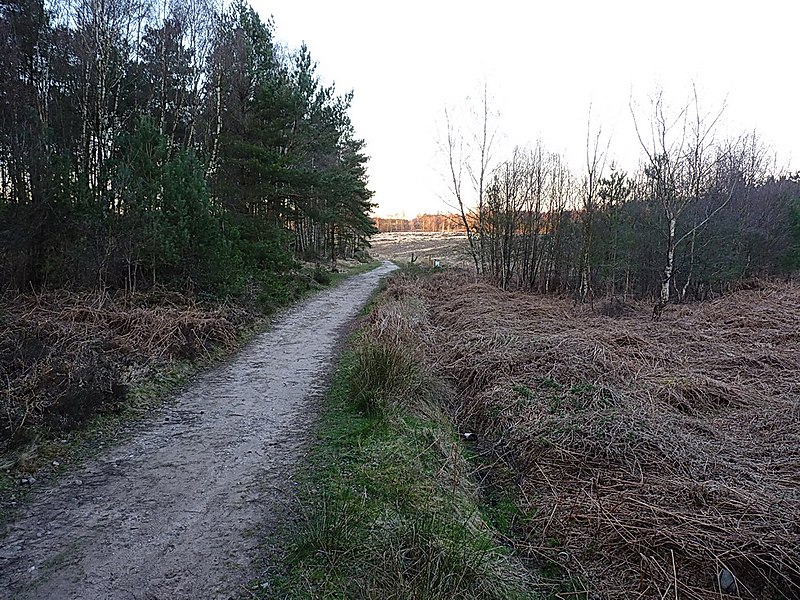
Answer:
(670, 261)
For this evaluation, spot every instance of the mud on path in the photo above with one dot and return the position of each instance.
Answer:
(176, 511)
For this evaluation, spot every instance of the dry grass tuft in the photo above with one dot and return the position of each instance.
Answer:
(652, 456)
(390, 360)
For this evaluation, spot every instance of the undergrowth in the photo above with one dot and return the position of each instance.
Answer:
(146, 364)
(647, 459)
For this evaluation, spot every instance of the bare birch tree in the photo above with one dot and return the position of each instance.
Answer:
(595, 165)
(680, 164)
(454, 148)
(470, 148)
(482, 149)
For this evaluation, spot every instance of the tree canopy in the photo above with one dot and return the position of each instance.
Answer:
(145, 143)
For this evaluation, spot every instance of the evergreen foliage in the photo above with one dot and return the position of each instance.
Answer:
(183, 146)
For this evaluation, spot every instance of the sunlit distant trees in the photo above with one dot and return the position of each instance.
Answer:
(440, 222)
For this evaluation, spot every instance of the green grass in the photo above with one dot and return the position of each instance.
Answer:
(503, 513)
(389, 510)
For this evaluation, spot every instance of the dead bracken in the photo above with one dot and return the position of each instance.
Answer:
(64, 356)
(653, 459)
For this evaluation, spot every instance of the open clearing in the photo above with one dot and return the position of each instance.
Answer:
(644, 459)
(451, 247)
(180, 510)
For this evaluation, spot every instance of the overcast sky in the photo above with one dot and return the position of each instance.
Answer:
(544, 64)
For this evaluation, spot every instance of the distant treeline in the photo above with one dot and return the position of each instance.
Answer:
(427, 223)
(701, 215)
(147, 142)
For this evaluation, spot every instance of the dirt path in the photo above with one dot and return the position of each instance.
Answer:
(175, 512)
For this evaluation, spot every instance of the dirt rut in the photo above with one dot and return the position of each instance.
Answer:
(178, 510)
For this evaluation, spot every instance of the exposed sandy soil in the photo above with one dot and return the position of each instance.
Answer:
(451, 248)
(179, 510)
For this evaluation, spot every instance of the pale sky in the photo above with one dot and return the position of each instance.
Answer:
(544, 64)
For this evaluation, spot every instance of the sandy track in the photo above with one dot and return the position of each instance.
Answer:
(176, 511)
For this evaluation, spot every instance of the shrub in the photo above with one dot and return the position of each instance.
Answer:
(321, 276)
